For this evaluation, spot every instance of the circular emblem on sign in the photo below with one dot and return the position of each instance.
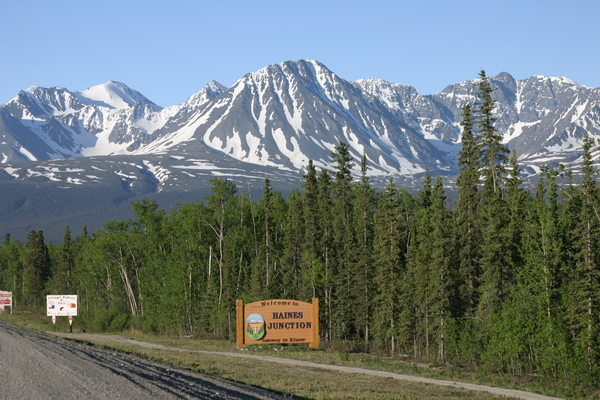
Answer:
(255, 326)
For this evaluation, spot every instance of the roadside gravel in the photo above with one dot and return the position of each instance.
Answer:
(43, 366)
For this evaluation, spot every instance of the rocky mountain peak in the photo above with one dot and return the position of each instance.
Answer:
(285, 114)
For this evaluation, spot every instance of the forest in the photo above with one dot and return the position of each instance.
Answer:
(505, 279)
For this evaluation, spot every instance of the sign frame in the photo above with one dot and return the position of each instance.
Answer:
(277, 321)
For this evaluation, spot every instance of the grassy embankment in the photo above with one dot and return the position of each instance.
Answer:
(311, 383)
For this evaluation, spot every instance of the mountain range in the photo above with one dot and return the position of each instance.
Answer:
(80, 157)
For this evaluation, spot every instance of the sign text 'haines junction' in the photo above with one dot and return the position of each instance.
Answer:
(278, 322)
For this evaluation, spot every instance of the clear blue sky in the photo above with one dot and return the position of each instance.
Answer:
(168, 50)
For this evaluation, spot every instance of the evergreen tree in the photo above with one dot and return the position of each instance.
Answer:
(467, 236)
(36, 271)
(516, 203)
(390, 269)
(419, 270)
(533, 316)
(326, 255)
(364, 285)
(313, 236)
(495, 262)
(442, 274)
(11, 268)
(65, 265)
(265, 267)
(494, 154)
(292, 259)
(585, 285)
(343, 235)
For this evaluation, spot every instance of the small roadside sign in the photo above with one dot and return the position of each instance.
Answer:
(61, 305)
(5, 300)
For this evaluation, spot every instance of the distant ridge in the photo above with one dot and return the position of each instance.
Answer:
(269, 124)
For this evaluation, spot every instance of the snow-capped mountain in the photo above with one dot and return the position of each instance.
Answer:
(285, 114)
(112, 141)
(53, 123)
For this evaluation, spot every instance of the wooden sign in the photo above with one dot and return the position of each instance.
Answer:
(278, 322)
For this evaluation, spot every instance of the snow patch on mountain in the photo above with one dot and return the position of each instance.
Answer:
(161, 174)
(26, 153)
(196, 164)
(12, 171)
(112, 95)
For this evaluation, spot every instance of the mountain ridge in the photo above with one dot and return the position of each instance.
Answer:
(401, 131)
(269, 123)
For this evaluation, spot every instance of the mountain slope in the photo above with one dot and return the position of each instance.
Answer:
(111, 139)
(285, 114)
(288, 113)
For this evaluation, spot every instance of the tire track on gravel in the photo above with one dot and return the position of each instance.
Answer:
(42, 366)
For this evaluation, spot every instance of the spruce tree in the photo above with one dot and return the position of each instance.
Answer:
(467, 236)
(267, 255)
(363, 216)
(517, 204)
(292, 250)
(326, 254)
(442, 273)
(65, 265)
(585, 286)
(344, 261)
(312, 240)
(419, 269)
(494, 154)
(390, 269)
(11, 268)
(36, 270)
(495, 261)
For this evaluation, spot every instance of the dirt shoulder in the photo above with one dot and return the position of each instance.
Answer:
(42, 366)
(519, 394)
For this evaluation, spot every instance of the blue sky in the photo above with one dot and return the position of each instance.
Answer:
(168, 50)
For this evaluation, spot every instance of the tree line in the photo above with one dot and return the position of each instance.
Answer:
(506, 279)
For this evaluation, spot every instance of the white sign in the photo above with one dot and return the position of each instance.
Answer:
(5, 298)
(61, 305)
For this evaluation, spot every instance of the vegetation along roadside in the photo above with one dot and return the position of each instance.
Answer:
(504, 285)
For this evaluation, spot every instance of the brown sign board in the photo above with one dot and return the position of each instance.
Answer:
(278, 321)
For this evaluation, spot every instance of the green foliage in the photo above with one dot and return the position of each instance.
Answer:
(506, 281)
(36, 269)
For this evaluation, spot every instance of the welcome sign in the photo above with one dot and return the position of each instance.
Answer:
(278, 322)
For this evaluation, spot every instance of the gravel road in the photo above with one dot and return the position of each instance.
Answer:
(40, 366)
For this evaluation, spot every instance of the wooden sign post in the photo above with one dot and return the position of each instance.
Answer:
(277, 322)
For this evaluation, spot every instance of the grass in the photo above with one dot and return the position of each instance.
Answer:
(310, 383)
